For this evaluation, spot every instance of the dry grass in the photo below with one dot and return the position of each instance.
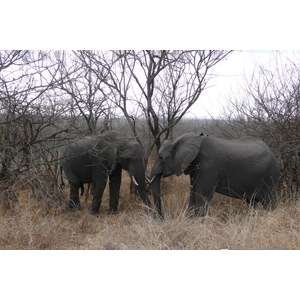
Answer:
(230, 224)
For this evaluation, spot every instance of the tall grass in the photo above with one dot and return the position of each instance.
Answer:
(229, 225)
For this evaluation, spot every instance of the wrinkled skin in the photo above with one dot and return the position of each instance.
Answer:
(95, 159)
(243, 168)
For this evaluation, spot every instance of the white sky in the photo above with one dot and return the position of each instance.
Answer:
(166, 24)
(230, 78)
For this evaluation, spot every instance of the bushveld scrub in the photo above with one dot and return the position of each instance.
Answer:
(229, 225)
(48, 98)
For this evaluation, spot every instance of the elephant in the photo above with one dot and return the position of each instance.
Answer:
(92, 159)
(242, 168)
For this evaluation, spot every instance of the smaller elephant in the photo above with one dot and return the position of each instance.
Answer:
(241, 168)
(94, 159)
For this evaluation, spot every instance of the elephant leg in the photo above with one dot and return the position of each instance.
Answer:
(202, 201)
(265, 196)
(98, 189)
(74, 202)
(114, 189)
(266, 199)
(269, 202)
(253, 201)
(202, 189)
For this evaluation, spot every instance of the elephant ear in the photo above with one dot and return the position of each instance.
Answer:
(186, 148)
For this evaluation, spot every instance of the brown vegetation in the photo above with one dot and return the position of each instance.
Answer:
(230, 224)
(48, 98)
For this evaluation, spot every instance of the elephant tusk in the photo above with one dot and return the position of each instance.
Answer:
(150, 180)
(134, 180)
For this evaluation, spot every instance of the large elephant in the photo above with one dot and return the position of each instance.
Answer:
(242, 168)
(93, 159)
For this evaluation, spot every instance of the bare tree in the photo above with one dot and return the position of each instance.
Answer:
(157, 86)
(31, 120)
(83, 91)
(9, 58)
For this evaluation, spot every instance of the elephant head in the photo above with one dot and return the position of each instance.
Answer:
(174, 157)
(131, 157)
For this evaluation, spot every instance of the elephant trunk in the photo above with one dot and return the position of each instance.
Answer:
(155, 185)
(139, 180)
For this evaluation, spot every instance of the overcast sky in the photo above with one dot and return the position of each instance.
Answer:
(230, 78)
(163, 25)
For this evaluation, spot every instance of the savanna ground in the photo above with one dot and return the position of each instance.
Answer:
(229, 225)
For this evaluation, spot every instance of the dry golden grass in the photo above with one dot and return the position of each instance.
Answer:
(230, 224)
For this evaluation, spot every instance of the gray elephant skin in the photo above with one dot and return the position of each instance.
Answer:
(94, 159)
(242, 168)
